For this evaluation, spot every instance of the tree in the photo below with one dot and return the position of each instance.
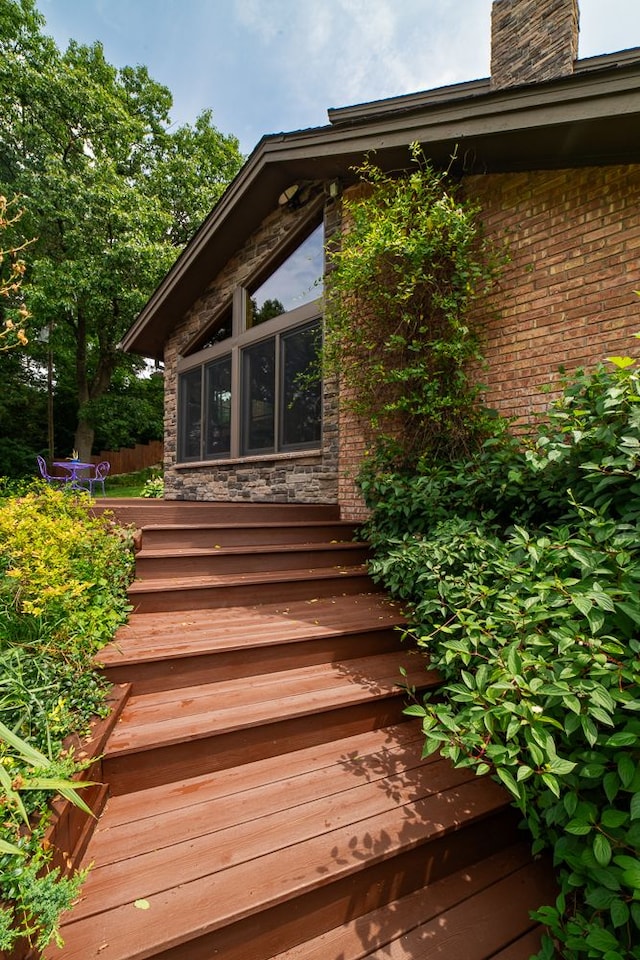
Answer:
(111, 192)
(13, 312)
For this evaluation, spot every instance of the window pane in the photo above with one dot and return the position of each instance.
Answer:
(259, 396)
(223, 330)
(297, 281)
(301, 392)
(191, 414)
(218, 420)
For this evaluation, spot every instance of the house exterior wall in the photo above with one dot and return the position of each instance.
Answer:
(305, 477)
(565, 298)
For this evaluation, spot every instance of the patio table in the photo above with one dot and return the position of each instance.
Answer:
(74, 468)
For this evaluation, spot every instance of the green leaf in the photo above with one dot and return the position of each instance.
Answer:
(551, 783)
(509, 782)
(31, 756)
(572, 702)
(626, 769)
(582, 603)
(635, 806)
(6, 847)
(611, 784)
(622, 739)
(578, 828)
(601, 939)
(561, 767)
(66, 789)
(619, 913)
(613, 818)
(415, 710)
(601, 849)
(601, 715)
(631, 877)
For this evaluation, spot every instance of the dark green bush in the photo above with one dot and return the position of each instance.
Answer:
(521, 568)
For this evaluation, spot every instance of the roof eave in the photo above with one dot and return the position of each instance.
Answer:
(580, 119)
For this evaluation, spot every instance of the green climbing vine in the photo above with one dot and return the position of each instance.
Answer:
(409, 264)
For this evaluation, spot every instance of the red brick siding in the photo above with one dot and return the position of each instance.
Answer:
(567, 295)
(565, 298)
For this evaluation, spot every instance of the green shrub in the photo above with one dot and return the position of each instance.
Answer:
(153, 488)
(522, 571)
(63, 580)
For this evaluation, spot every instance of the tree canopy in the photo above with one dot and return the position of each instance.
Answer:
(111, 193)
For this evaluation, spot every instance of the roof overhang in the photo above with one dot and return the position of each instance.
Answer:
(590, 118)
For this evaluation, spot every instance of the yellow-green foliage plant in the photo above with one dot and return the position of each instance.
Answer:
(63, 580)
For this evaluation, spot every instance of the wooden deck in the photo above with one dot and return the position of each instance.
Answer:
(267, 796)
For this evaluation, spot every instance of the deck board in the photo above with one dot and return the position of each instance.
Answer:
(380, 749)
(371, 933)
(218, 838)
(152, 719)
(252, 801)
(198, 906)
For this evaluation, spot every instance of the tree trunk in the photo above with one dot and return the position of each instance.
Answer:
(83, 440)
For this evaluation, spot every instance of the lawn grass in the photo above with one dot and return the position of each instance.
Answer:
(135, 490)
(129, 484)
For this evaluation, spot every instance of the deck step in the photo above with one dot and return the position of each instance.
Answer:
(168, 650)
(162, 563)
(175, 733)
(138, 511)
(235, 872)
(269, 799)
(246, 534)
(230, 590)
(460, 906)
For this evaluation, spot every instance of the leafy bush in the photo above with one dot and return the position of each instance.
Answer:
(153, 488)
(522, 570)
(63, 579)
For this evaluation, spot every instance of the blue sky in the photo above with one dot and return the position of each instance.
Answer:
(265, 66)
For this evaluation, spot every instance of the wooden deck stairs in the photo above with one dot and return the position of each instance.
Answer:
(268, 798)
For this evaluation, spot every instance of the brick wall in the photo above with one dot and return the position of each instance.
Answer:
(565, 298)
(567, 295)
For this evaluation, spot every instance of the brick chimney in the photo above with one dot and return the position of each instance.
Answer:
(533, 40)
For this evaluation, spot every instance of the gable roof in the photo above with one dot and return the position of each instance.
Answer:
(589, 118)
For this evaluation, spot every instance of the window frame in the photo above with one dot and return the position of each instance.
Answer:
(243, 337)
(301, 317)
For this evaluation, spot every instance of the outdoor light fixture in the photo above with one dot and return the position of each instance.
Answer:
(288, 195)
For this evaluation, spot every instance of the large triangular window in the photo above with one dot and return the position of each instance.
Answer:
(253, 388)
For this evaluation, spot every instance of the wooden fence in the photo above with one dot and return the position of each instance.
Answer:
(130, 459)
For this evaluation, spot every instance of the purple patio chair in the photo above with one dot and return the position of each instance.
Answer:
(102, 469)
(42, 466)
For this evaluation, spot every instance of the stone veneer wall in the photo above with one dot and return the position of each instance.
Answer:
(565, 298)
(288, 478)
